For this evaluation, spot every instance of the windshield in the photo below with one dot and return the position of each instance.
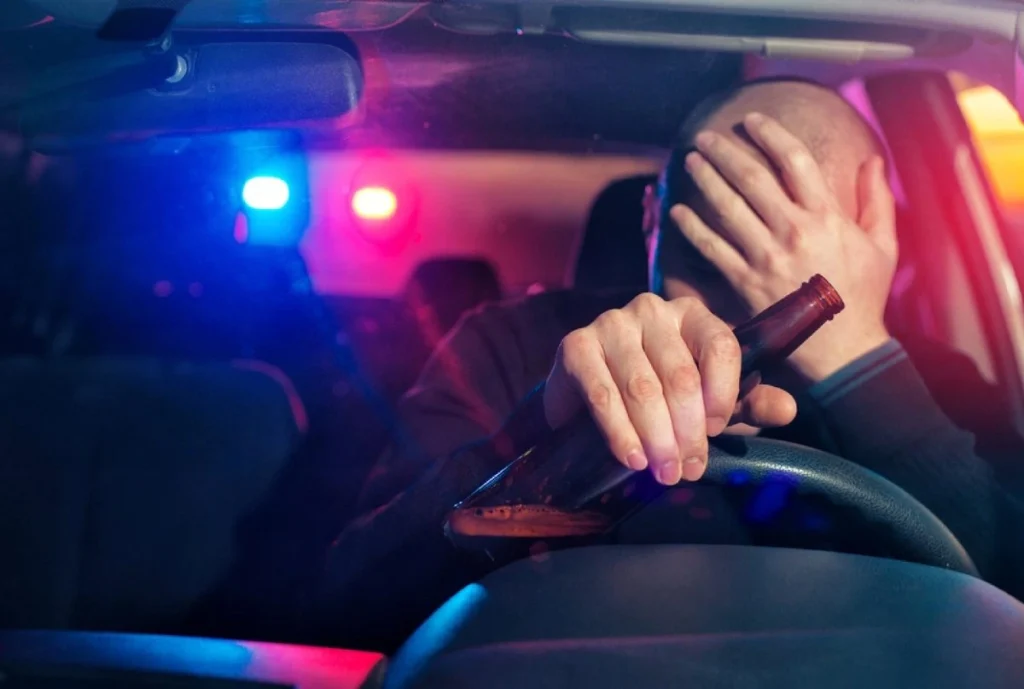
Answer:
(279, 294)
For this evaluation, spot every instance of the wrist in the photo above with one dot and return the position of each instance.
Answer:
(828, 356)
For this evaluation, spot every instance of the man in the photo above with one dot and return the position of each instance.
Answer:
(767, 185)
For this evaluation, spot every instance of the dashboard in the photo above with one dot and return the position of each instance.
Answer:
(79, 660)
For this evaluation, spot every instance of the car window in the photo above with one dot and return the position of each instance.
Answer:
(999, 135)
(523, 211)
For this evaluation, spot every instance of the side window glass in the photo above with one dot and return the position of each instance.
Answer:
(932, 295)
(999, 138)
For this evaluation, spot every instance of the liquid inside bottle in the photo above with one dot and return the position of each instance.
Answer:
(569, 488)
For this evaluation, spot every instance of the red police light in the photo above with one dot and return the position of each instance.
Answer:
(383, 206)
(375, 204)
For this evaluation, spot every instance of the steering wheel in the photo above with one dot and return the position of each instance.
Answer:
(913, 532)
(586, 477)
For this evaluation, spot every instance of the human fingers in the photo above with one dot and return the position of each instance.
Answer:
(641, 391)
(752, 181)
(680, 379)
(580, 379)
(739, 223)
(710, 244)
(800, 171)
(765, 406)
(718, 356)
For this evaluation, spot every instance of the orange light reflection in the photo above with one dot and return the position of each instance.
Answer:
(999, 136)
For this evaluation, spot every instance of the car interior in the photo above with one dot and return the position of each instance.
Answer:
(197, 378)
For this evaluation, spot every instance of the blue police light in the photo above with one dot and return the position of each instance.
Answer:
(266, 193)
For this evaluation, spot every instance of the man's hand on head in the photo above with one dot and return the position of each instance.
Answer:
(658, 377)
(767, 236)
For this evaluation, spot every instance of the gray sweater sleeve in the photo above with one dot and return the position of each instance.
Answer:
(889, 422)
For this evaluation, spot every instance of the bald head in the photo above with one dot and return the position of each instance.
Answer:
(835, 133)
(840, 140)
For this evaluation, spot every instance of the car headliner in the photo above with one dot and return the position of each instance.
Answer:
(463, 75)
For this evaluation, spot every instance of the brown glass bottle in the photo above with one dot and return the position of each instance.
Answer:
(569, 488)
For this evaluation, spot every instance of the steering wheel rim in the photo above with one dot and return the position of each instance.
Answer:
(585, 471)
(919, 535)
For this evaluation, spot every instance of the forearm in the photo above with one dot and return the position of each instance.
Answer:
(396, 561)
(884, 418)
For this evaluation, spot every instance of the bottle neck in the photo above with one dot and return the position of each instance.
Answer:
(775, 333)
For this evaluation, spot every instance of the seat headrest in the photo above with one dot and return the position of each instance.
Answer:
(612, 251)
(451, 286)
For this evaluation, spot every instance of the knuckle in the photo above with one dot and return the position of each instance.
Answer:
(683, 381)
(574, 348)
(643, 388)
(614, 319)
(647, 305)
(575, 341)
(689, 305)
(770, 261)
(723, 346)
(798, 160)
(598, 396)
(752, 177)
(707, 247)
(732, 211)
(796, 236)
(788, 224)
(686, 302)
(618, 446)
(698, 447)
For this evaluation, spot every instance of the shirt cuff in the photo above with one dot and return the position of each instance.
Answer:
(857, 372)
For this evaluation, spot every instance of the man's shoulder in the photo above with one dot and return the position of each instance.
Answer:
(558, 310)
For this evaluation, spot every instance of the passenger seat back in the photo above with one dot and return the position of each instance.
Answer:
(123, 483)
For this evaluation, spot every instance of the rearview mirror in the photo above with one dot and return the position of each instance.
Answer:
(203, 81)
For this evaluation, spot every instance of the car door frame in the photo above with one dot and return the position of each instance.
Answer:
(932, 147)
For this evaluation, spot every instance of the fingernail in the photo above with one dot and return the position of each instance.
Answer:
(716, 424)
(692, 161)
(636, 461)
(704, 139)
(755, 118)
(693, 468)
(668, 474)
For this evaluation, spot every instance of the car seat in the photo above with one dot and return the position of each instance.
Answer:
(612, 253)
(392, 339)
(441, 290)
(123, 483)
